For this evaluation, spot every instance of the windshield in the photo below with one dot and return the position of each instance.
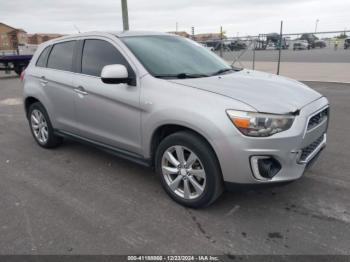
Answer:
(172, 56)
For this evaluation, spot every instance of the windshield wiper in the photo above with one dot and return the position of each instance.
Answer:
(186, 75)
(182, 76)
(221, 71)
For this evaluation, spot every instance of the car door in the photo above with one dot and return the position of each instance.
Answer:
(106, 113)
(57, 81)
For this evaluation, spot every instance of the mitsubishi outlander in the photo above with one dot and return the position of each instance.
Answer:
(167, 102)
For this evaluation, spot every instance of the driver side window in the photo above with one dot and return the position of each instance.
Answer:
(99, 53)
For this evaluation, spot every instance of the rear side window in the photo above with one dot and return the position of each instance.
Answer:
(61, 56)
(43, 57)
(99, 53)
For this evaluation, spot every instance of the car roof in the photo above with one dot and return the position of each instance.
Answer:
(119, 34)
(137, 33)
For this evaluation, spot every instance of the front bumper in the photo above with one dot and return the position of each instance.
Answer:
(294, 149)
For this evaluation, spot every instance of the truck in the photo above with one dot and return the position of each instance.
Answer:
(271, 41)
(313, 41)
(347, 43)
(16, 60)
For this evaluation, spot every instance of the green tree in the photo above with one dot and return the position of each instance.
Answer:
(342, 36)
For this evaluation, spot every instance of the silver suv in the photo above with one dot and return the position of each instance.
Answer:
(167, 102)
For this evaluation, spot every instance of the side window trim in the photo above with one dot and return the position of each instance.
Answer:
(77, 56)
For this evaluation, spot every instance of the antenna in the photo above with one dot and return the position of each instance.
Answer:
(77, 28)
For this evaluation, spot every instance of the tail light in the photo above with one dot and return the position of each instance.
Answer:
(21, 77)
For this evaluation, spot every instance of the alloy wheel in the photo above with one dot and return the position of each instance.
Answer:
(39, 126)
(183, 172)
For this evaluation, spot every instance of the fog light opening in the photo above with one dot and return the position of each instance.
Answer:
(264, 167)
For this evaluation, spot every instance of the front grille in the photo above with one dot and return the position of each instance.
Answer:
(317, 119)
(306, 151)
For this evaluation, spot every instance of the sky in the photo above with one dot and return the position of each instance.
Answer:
(237, 17)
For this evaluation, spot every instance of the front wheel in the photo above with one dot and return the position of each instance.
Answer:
(189, 170)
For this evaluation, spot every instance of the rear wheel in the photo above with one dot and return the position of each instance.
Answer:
(189, 170)
(18, 70)
(41, 128)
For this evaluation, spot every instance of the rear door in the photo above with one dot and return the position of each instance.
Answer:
(107, 113)
(57, 79)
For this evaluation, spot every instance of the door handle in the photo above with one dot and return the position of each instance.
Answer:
(80, 90)
(43, 81)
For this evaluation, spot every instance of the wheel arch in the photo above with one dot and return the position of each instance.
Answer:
(165, 130)
(28, 101)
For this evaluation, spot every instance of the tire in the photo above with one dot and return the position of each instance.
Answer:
(18, 70)
(210, 181)
(38, 117)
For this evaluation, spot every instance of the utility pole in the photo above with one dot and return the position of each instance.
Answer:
(125, 15)
(176, 27)
(316, 25)
(254, 47)
(221, 41)
(280, 49)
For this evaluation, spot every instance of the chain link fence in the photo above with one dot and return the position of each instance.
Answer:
(321, 56)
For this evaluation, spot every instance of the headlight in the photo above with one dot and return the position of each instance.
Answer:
(258, 124)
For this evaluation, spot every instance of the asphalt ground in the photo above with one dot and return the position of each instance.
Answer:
(78, 200)
(326, 55)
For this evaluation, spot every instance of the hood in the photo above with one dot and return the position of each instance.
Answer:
(265, 92)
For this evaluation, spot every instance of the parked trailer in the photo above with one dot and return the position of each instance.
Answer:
(17, 60)
(14, 62)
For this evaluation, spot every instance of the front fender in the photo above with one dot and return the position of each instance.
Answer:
(190, 120)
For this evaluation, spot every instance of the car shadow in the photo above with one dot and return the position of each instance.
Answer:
(272, 195)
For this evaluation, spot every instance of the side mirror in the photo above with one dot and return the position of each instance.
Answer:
(115, 74)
